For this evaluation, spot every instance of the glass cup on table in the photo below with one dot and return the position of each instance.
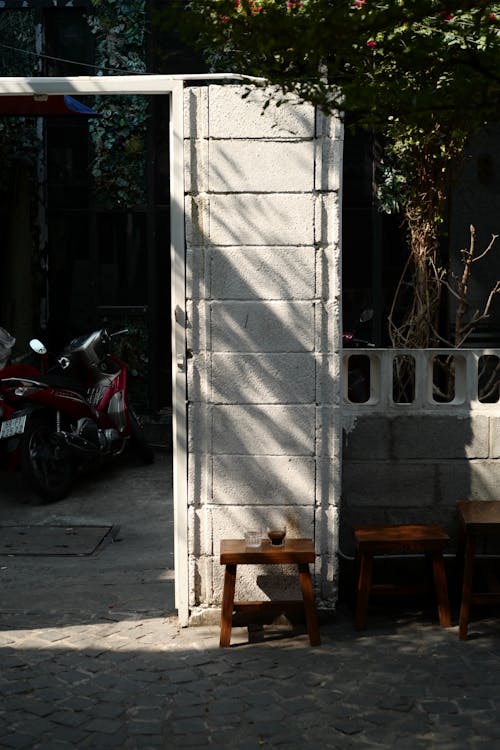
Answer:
(276, 535)
(253, 538)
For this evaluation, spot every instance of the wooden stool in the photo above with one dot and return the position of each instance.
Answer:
(478, 518)
(413, 538)
(234, 552)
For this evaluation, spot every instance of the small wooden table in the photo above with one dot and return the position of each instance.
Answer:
(234, 552)
(478, 518)
(427, 539)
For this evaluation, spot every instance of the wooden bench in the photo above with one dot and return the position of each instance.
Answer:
(300, 552)
(429, 540)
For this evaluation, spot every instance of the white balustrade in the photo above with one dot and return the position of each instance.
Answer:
(369, 384)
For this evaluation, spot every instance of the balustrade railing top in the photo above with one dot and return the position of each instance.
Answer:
(415, 380)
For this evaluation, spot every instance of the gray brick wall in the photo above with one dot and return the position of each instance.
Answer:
(415, 468)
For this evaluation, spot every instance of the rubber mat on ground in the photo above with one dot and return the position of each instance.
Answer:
(53, 540)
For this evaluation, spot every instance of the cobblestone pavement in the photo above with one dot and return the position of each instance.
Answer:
(91, 655)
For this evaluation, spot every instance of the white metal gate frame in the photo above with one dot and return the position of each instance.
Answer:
(173, 86)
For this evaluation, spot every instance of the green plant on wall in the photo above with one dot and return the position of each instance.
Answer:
(18, 136)
(119, 135)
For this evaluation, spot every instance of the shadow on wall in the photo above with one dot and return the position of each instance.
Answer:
(263, 329)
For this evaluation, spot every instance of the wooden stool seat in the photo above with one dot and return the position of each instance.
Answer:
(233, 552)
(427, 539)
(478, 518)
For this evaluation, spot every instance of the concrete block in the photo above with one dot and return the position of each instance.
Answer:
(270, 219)
(198, 325)
(368, 438)
(196, 112)
(327, 528)
(197, 215)
(329, 431)
(199, 428)
(263, 480)
(494, 437)
(199, 479)
(198, 377)
(197, 273)
(259, 582)
(327, 379)
(193, 532)
(263, 378)
(328, 483)
(327, 576)
(328, 219)
(200, 532)
(384, 484)
(196, 165)
(264, 430)
(440, 437)
(231, 116)
(468, 480)
(327, 325)
(328, 163)
(329, 276)
(329, 126)
(257, 166)
(262, 273)
(262, 326)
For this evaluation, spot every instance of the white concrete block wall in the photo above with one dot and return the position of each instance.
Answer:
(263, 303)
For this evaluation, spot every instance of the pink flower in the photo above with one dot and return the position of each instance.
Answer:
(371, 43)
(358, 4)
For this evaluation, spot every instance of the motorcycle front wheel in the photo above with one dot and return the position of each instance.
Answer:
(45, 465)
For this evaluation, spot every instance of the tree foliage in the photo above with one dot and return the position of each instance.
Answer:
(424, 74)
(119, 134)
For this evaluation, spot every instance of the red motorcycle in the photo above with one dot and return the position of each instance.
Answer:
(73, 413)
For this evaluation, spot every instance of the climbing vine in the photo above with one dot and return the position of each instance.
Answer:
(119, 134)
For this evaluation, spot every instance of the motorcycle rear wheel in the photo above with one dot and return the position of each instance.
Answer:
(45, 465)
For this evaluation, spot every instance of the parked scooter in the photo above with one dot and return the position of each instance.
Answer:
(73, 413)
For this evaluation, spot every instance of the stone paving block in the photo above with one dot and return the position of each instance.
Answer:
(101, 725)
(17, 741)
(191, 726)
(68, 734)
(69, 718)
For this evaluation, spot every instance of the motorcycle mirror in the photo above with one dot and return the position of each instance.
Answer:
(366, 315)
(38, 347)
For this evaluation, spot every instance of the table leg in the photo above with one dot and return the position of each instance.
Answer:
(226, 621)
(463, 622)
(363, 584)
(309, 604)
(441, 589)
